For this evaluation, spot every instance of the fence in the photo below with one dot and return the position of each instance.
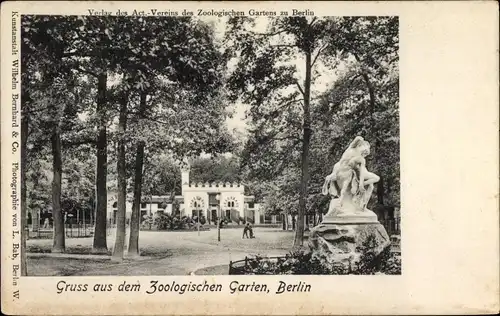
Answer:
(392, 225)
(78, 230)
(81, 230)
(40, 233)
(239, 267)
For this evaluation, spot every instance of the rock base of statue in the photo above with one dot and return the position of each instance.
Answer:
(344, 235)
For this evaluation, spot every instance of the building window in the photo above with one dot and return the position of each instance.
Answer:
(231, 202)
(143, 205)
(197, 202)
(115, 205)
(251, 204)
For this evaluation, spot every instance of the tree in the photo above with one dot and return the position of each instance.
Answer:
(122, 179)
(279, 147)
(161, 174)
(374, 43)
(216, 169)
(268, 80)
(194, 64)
(179, 57)
(70, 50)
(64, 41)
(372, 88)
(135, 220)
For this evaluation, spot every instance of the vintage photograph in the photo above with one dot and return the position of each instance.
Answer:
(220, 144)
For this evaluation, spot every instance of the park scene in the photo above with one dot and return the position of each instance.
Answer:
(210, 146)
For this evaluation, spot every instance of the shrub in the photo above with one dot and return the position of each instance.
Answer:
(386, 262)
(180, 223)
(390, 263)
(162, 221)
(169, 222)
(298, 262)
(303, 263)
(147, 222)
(203, 220)
(223, 222)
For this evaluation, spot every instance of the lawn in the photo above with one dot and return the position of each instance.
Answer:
(214, 270)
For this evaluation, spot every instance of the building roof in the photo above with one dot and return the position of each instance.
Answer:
(180, 199)
(217, 184)
(249, 198)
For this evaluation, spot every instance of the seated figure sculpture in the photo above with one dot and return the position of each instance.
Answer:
(350, 181)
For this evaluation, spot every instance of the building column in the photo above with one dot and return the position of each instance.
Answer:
(256, 214)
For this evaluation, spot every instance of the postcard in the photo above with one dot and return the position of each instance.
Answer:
(253, 158)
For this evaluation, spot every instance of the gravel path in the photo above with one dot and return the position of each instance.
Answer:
(187, 252)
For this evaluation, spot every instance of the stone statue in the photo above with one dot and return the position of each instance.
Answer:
(350, 181)
(348, 225)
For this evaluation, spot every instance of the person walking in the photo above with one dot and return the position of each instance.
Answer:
(250, 229)
(246, 229)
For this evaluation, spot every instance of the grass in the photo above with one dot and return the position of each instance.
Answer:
(155, 252)
(73, 249)
(215, 270)
(87, 250)
(64, 267)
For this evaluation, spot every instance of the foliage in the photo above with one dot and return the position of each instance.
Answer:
(297, 262)
(161, 176)
(163, 69)
(147, 222)
(280, 94)
(216, 169)
(362, 99)
(171, 222)
(203, 220)
(178, 85)
(303, 263)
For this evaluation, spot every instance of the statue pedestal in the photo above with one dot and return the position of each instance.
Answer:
(341, 240)
(348, 213)
(349, 231)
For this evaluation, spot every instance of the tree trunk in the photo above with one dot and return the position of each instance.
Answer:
(299, 233)
(25, 231)
(100, 244)
(133, 248)
(58, 245)
(135, 220)
(380, 191)
(371, 93)
(376, 145)
(119, 246)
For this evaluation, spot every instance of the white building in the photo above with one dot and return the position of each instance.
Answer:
(205, 199)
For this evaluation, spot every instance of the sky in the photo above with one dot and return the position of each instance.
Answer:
(237, 121)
